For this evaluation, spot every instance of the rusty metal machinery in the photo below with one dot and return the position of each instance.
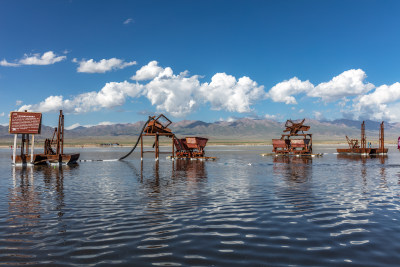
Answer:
(353, 143)
(190, 147)
(157, 126)
(365, 149)
(154, 126)
(293, 128)
(54, 147)
(294, 142)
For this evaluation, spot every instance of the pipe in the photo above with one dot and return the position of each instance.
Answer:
(137, 142)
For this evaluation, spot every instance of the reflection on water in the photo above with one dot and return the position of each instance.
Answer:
(362, 158)
(241, 209)
(295, 169)
(24, 203)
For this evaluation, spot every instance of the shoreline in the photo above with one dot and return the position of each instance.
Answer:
(327, 143)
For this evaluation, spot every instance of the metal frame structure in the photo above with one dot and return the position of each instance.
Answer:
(362, 149)
(156, 128)
(289, 144)
(54, 148)
(190, 147)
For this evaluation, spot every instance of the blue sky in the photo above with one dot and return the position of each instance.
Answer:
(119, 61)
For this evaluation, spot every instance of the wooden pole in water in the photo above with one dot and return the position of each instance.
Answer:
(381, 139)
(15, 148)
(363, 139)
(141, 147)
(61, 128)
(27, 145)
(156, 146)
(58, 135)
(32, 148)
(173, 146)
(22, 148)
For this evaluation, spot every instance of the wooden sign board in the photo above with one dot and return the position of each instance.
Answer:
(25, 123)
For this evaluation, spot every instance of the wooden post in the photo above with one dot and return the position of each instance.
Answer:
(363, 138)
(141, 147)
(32, 148)
(62, 132)
(27, 145)
(381, 139)
(141, 171)
(173, 147)
(157, 147)
(58, 136)
(15, 148)
(22, 148)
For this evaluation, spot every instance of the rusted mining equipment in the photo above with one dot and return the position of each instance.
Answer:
(54, 147)
(26, 157)
(190, 147)
(294, 142)
(365, 148)
(157, 126)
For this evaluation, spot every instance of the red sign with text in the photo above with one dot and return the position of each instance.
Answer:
(25, 123)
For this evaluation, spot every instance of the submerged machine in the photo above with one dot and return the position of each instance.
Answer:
(54, 147)
(362, 148)
(186, 148)
(29, 123)
(26, 157)
(156, 126)
(294, 142)
(190, 147)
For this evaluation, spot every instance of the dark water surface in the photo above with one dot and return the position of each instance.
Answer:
(242, 209)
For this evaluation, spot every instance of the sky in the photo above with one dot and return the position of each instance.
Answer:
(105, 62)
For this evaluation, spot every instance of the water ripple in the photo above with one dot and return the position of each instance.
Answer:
(326, 211)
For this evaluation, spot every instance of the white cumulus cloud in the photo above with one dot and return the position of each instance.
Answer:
(225, 92)
(173, 93)
(102, 66)
(111, 95)
(381, 104)
(285, 91)
(48, 58)
(177, 94)
(150, 71)
(270, 117)
(5, 63)
(348, 83)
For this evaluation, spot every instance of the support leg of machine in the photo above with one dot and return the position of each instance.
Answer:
(141, 147)
(157, 147)
(173, 146)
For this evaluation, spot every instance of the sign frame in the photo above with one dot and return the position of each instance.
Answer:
(25, 122)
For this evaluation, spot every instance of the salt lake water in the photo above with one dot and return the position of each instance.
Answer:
(242, 209)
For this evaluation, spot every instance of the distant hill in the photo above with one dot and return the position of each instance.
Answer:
(370, 125)
(261, 130)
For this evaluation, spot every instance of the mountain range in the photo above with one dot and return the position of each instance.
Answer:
(241, 130)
